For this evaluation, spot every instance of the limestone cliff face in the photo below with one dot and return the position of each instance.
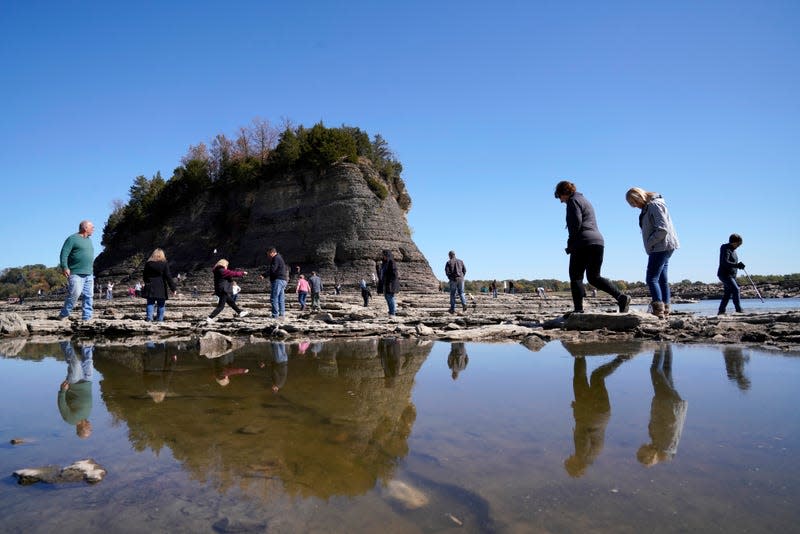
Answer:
(334, 223)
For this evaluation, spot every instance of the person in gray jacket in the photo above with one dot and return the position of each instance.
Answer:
(660, 241)
(455, 270)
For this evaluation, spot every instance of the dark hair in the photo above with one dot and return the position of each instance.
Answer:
(735, 238)
(271, 249)
(565, 188)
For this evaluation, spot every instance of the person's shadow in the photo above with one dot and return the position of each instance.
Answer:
(592, 411)
(667, 412)
(75, 393)
(458, 359)
(734, 366)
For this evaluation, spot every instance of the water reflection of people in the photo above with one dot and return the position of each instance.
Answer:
(224, 369)
(458, 359)
(592, 410)
(734, 366)
(75, 393)
(280, 365)
(157, 366)
(667, 412)
(389, 353)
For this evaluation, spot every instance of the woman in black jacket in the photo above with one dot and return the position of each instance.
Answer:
(157, 279)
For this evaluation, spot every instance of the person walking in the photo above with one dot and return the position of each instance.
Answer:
(388, 280)
(315, 283)
(365, 292)
(222, 289)
(235, 290)
(276, 272)
(77, 263)
(302, 291)
(109, 291)
(455, 270)
(727, 271)
(157, 279)
(585, 247)
(493, 288)
(660, 241)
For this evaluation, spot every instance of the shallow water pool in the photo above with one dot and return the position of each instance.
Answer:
(401, 436)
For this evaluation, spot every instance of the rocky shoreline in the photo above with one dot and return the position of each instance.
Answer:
(508, 318)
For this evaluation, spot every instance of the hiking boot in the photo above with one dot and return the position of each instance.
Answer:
(463, 307)
(624, 302)
(657, 309)
(244, 313)
(666, 309)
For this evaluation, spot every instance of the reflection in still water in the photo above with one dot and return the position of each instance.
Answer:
(592, 410)
(341, 447)
(279, 365)
(157, 367)
(326, 433)
(75, 393)
(667, 412)
(458, 359)
(734, 366)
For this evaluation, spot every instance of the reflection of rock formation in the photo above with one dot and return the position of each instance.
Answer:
(734, 366)
(667, 412)
(591, 409)
(322, 434)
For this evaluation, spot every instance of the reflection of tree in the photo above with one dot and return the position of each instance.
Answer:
(734, 366)
(322, 435)
(667, 412)
(591, 410)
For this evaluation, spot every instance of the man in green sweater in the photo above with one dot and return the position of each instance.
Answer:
(76, 262)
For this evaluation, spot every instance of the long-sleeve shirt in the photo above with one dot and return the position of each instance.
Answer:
(77, 255)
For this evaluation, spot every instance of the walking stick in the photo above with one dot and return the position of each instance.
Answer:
(754, 285)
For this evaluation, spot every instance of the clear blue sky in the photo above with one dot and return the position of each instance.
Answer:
(487, 105)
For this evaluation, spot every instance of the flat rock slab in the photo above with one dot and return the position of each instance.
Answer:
(82, 470)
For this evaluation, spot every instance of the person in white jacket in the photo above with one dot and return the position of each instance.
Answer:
(660, 241)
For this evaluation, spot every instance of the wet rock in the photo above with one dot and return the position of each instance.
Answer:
(407, 495)
(227, 525)
(214, 344)
(82, 470)
(424, 331)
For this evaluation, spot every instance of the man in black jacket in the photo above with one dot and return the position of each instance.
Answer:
(455, 271)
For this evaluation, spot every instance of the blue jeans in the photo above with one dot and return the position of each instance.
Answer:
(79, 285)
(278, 298)
(457, 286)
(390, 301)
(161, 306)
(731, 293)
(656, 276)
(301, 298)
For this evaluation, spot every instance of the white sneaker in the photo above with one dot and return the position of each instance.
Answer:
(244, 313)
(210, 320)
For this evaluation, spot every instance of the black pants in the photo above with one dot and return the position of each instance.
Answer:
(589, 260)
(225, 299)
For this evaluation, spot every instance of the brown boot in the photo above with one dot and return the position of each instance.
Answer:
(666, 310)
(657, 309)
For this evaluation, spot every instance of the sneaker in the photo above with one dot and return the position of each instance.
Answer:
(211, 320)
(624, 302)
(244, 313)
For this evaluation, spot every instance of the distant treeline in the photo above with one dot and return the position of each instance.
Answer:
(28, 280)
(257, 154)
(552, 285)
